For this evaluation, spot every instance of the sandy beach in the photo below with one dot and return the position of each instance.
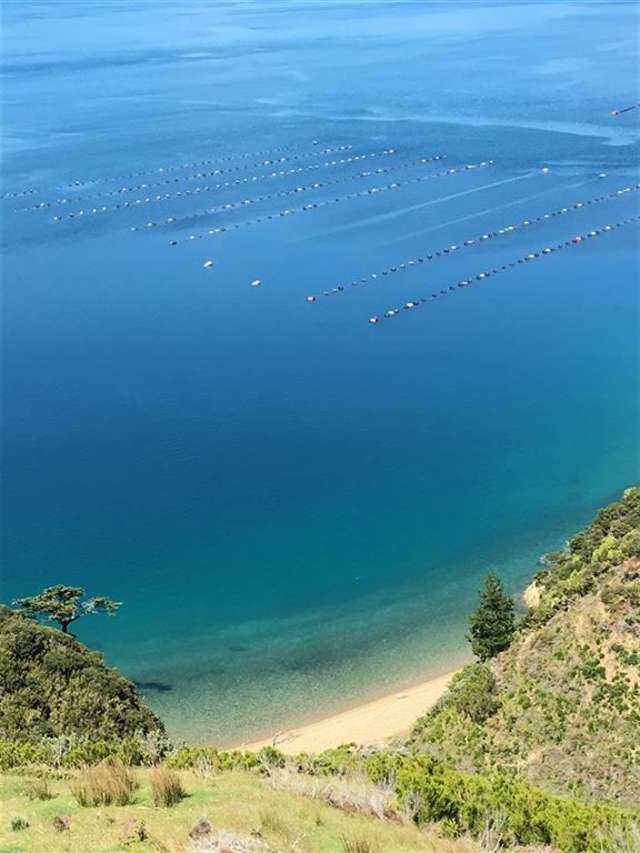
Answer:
(371, 723)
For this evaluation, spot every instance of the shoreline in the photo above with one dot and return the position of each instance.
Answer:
(367, 724)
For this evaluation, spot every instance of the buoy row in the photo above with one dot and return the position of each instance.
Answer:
(159, 170)
(396, 185)
(619, 112)
(196, 191)
(169, 181)
(19, 193)
(303, 188)
(578, 240)
(506, 230)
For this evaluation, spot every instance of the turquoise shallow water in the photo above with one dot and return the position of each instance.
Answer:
(297, 507)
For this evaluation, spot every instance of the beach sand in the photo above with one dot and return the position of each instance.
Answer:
(371, 723)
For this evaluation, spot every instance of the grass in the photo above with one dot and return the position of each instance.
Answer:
(242, 804)
(109, 783)
(166, 787)
(39, 790)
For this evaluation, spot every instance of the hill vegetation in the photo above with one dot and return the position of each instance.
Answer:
(52, 686)
(561, 706)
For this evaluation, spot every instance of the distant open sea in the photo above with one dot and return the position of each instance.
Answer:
(295, 505)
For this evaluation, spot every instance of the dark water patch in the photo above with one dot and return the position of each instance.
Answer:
(154, 686)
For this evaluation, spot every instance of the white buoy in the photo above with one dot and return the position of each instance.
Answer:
(311, 298)
(208, 265)
(256, 282)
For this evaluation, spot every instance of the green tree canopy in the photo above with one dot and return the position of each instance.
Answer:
(65, 604)
(493, 623)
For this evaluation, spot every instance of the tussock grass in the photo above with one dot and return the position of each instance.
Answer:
(166, 787)
(270, 821)
(109, 783)
(38, 790)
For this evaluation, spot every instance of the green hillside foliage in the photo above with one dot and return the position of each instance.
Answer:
(397, 787)
(561, 707)
(52, 686)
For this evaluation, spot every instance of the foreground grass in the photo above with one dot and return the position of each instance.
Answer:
(241, 804)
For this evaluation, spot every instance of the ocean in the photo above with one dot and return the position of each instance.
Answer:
(296, 505)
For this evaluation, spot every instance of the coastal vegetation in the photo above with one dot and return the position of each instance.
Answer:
(493, 623)
(560, 707)
(535, 746)
(56, 694)
(65, 605)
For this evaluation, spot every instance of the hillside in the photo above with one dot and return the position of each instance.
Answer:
(561, 706)
(52, 686)
(537, 750)
(238, 812)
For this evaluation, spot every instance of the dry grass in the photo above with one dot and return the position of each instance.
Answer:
(39, 790)
(357, 845)
(270, 821)
(351, 794)
(166, 787)
(109, 783)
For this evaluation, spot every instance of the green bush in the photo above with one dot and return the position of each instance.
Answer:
(22, 754)
(54, 686)
(335, 762)
(472, 802)
(188, 757)
(473, 692)
(74, 752)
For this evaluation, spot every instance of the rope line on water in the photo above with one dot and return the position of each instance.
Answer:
(578, 240)
(452, 248)
(221, 229)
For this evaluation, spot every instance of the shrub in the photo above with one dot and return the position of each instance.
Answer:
(189, 757)
(134, 831)
(107, 784)
(630, 545)
(61, 823)
(166, 787)
(39, 790)
(18, 823)
(527, 815)
(21, 754)
(55, 686)
(339, 761)
(473, 692)
(270, 757)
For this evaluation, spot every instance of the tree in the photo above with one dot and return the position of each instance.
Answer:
(493, 623)
(65, 604)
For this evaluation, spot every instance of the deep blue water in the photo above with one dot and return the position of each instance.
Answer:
(296, 506)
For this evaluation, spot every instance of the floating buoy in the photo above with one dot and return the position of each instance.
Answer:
(256, 282)
(310, 298)
(373, 320)
(208, 265)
